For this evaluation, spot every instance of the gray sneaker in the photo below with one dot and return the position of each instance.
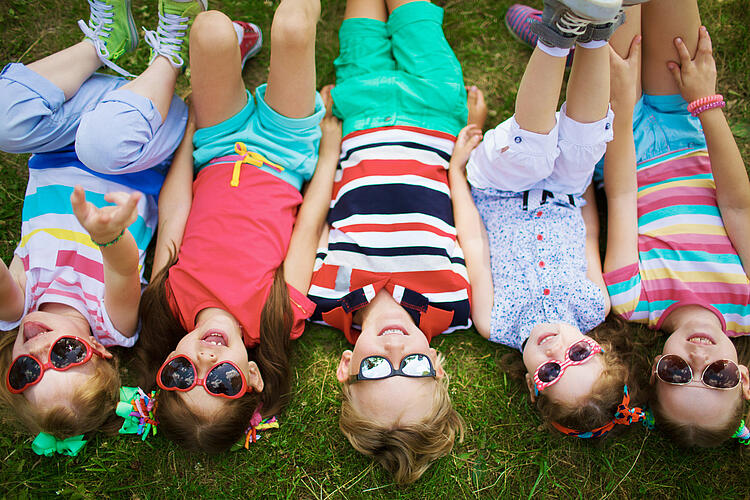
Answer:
(564, 21)
(602, 31)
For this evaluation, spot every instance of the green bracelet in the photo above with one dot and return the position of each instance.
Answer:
(110, 243)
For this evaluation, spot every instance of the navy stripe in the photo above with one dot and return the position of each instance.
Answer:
(392, 199)
(389, 251)
(412, 145)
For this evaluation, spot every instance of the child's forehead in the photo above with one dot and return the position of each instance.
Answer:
(395, 399)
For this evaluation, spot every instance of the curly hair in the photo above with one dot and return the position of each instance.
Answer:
(405, 451)
(91, 407)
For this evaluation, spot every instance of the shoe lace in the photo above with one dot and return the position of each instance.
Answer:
(98, 28)
(571, 24)
(168, 37)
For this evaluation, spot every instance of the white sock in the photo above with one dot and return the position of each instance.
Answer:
(240, 32)
(553, 51)
(593, 44)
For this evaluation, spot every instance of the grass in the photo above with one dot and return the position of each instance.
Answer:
(506, 452)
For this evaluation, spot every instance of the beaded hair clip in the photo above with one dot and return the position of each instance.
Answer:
(252, 433)
(742, 433)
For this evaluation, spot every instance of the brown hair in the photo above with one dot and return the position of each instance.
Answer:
(91, 408)
(689, 435)
(407, 451)
(161, 332)
(606, 394)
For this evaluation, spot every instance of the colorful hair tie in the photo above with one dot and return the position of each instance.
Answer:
(624, 415)
(742, 433)
(47, 445)
(706, 107)
(649, 419)
(137, 408)
(703, 101)
(252, 434)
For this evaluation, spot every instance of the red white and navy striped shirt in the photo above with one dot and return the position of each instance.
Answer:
(391, 226)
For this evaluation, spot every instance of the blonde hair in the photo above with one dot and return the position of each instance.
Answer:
(689, 435)
(406, 451)
(91, 407)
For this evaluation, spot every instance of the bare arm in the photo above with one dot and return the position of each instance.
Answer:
(593, 259)
(12, 296)
(696, 78)
(122, 281)
(311, 218)
(620, 181)
(472, 235)
(175, 200)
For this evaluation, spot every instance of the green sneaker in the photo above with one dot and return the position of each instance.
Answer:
(171, 36)
(112, 31)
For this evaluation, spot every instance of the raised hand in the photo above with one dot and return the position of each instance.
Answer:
(468, 139)
(105, 224)
(695, 77)
(624, 74)
(330, 126)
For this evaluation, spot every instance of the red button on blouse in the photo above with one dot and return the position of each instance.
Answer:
(546, 291)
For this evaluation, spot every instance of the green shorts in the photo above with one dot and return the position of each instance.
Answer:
(402, 72)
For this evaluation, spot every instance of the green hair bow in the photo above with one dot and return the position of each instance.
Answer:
(47, 445)
(137, 408)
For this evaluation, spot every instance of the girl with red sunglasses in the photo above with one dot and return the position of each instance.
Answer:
(677, 251)
(237, 244)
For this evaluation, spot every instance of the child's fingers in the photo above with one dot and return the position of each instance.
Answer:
(682, 51)
(705, 47)
(78, 201)
(634, 51)
(325, 93)
(674, 68)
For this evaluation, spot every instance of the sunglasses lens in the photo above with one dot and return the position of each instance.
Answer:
(24, 371)
(416, 365)
(579, 351)
(67, 351)
(722, 374)
(549, 371)
(674, 370)
(225, 379)
(374, 367)
(178, 374)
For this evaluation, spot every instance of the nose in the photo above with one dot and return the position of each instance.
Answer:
(393, 343)
(698, 359)
(206, 355)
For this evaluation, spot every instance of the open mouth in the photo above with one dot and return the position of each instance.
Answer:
(32, 329)
(701, 338)
(545, 337)
(215, 338)
(392, 330)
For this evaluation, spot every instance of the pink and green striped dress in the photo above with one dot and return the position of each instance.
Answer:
(684, 254)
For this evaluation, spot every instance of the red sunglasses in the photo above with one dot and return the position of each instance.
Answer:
(224, 379)
(67, 351)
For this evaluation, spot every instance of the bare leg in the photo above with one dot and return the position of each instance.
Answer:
(394, 4)
(587, 98)
(539, 91)
(476, 105)
(156, 83)
(662, 21)
(69, 68)
(621, 39)
(371, 9)
(218, 90)
(291, 78)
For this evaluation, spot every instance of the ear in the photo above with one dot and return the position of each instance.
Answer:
(342, 372)
(745, 381)
(99, 347)
(254, 379)
(532, 388)
(439, 372)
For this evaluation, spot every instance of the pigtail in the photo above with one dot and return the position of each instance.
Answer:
(272, 354)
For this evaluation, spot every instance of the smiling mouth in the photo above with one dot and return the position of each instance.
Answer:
(391, 330)
(545, 337)
(215, 338)
(33, 329)
(701, 338)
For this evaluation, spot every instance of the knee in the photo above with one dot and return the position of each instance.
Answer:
(294, 23)
(102, 149)
(213, 31)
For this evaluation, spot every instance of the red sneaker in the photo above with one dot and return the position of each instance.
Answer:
(251, 39)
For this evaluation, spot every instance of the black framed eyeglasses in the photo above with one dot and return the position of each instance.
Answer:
(379, 367)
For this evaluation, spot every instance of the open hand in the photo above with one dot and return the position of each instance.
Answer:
(106, 223)
(695, 77)
(624, 75)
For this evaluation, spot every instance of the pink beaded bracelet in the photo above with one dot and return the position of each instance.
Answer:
(706, 107)
(703, 101)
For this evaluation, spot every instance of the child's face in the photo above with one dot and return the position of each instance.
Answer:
(36, 334)
(388, 331)
(550, 342)
(216, 338)
(696, 403)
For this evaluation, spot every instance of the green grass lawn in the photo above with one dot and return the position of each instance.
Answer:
(506, 453)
